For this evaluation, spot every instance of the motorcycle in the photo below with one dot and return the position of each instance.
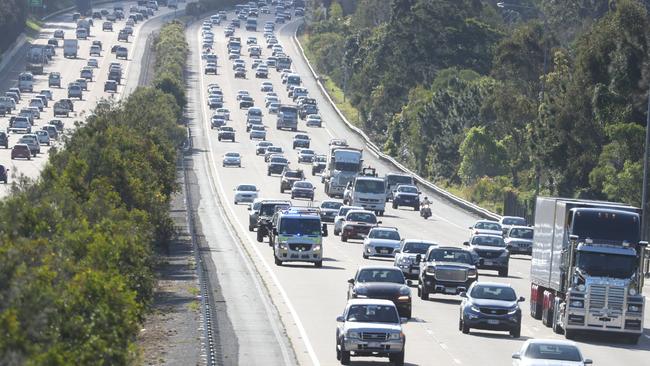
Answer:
(425, 211)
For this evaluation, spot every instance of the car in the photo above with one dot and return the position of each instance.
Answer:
(63, 107)
(38, 103)
(306, 155)
(272, 150)
(251, 40)
(261, 212)
(490, 306)
(329, 209)
(289, 177)
(301, 140)
(242, 93)
(260, 147)
(226, 133)
(314, 120)
(486, 227)
(381, 242)
(339, 219)
(492, 251)
(215, 102)
(107, 26)
(406, 195)
(509, 221)
(319, 164)
(21, 151)
(240, 73)
(267, 86)
(57, 122)
(357, 224)
(261, 73)
(246, 102)
(95, 50)
(123, 35)
(4, 174)
(53, 42)
(276, 165)
(273, 108)
(409, 255)
(231, 159)
(86, 73)
(59, 34)
(519, 240)
(270, 100)
(51, 131)
(31, 140)
(363, 318)
(225, 112)
(110, 85)
(217, 121)
(245, 193)
(446, 270)
(257, 132)
(43, 137)
(83, 83)
(382, 282)
(303, 189)
(122, 52)
(4, 139)
(92, 62)
(8, 104)
(210, 68)
(549, 352)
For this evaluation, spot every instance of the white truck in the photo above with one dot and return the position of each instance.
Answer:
(586, 267)
(70, 48)
(369, 192)
(343, 165)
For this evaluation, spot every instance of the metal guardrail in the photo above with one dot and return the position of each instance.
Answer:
(469, 206)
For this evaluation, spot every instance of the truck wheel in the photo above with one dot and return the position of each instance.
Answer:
(277, 261)
(503, 272)
(318, 264)
(515, 333)
(260, 236)
(397, 359)
(570, 334)
(251, 228)
(336, 233)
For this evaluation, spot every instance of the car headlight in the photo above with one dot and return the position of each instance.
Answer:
(283, 245)
(634, 308)
(405, 291)
(513, 310)
(395, 336)
(404, 260)
(631, 291)
(581, 288)
(472, 273)
(475, 309)
(317, 247)
(577, 304)
(352, 334)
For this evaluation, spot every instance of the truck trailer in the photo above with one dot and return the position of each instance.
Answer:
(586, 268)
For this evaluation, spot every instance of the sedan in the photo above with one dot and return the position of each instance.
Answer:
(261, 146)
(381, 242)
(339, 218)
(214, 102)
(303, 189)
(92, 62)
(490, 306)
(549, 352)
(486, 227)
(232, 159)
(491, 252)
(240, 73)
(59, 34)
(329, 209)
(314, 120)
(257, 132)
(267, 86)
(225, 112)
(245, 193)
(306, 156)
(382, 283)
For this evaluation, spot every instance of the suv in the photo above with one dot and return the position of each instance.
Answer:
(318, 164)
(226, 133)
(122, 52)
(54, 79)
(260, 216)
(519, 240)
(298, 236)
(301, 140)
(446, 270)
(370, 327)
(277, 165)
(492, 251)
(289, 177)
(406, 195)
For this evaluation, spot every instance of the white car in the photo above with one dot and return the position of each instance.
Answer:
(340, 216)
(485, 227)
(225, 112)
(549, 352)
(270, 95)
(245, 193)
(43, 137)
(232, 159)
(257, 132)
(381, 242)
(314, 120)
(509, 221)
(267, 86)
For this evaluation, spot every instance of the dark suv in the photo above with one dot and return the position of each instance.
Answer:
(289, 177)
(4, 173)
(4, 140)
(446, 270)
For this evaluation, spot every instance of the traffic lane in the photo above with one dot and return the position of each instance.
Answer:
(70, 69)
(520, 269)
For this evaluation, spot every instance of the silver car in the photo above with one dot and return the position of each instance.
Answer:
(32, 141)
(43, 137)
(409, 255)
(381, 242)
(519, 240)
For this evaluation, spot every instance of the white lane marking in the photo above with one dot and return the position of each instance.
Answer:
(535, 329)
(443, 346)
(647, 336)
(222, 191)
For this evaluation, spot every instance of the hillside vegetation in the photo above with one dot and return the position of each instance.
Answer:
(456, 90)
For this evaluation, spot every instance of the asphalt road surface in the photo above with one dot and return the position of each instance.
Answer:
(70, 71)
(308, 299)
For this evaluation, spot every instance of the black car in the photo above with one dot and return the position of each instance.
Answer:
(303, 189)
(4, 172)
(240, 72)
(382, 283)
(490, 306)
(4, 140)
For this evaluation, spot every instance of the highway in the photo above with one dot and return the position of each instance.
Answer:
(70, 69)
(308, 299)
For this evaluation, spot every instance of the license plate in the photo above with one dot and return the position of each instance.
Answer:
(450, 290)
(384, 251)
(487, 263)
(415, 271)
(493, 321)
(374, 345)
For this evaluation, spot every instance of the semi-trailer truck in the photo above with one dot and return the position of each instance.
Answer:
(586, 268)
(343, 165)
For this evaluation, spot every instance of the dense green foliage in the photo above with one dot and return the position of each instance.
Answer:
(13, 14)
(171, 53)
(457, 91)
(77, 245)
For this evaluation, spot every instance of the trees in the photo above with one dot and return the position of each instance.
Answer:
(481, 156)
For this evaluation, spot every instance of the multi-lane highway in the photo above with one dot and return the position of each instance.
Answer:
(308, 299)
(70, 68)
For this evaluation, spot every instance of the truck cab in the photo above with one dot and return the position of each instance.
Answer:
(369, 193)
(298, 236)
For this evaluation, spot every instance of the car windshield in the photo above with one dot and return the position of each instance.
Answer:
(521, 233)
(293, 174)
(416, 248)
(331, 205)
(303, 185)
(384, 234)
(606, 265)
(399, 179)
(493, 293)
(254, 112)
(247, 188)
(484, 225)
(407, 189)
(279, 160)
(372, 314)
(232, 155)
(450, 255)
(392, 275)
(492, 241)
(559, 352)
(514, 221)
(269, 209)
(227, 129)
(307, 152)
(304, 226)
(362, 217)
(369, 186)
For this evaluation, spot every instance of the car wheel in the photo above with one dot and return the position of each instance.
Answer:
(318, 264)
(515, 333)
(465, 329)
(424, 294)
(260, 236)
(397, 359)
(251, 228)
(364, 256)
(336, 233)
(394, 205)
(503, 272)
(277, 261)
(291, 196)
(345, 357)
(344, 238)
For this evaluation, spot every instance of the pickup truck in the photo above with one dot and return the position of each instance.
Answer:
(446, 270)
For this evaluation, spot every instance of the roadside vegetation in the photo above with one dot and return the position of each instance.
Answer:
(456, 90)
(77, 245)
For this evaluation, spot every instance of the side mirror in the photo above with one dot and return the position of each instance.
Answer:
(521, 299)
(418, 258)
(403, 320)
(588, 361)
(466, 243)
(340, 319)
(463, 294)
(409, 283)
(378, 222)
(249, 208)
(351, 281)
(574, 238)
(470, 227)
(394, 251)
(516, 356)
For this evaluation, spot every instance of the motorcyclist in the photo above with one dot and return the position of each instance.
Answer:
(424, 205)
(425, 202)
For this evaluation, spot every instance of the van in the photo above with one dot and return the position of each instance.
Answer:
(26, 82)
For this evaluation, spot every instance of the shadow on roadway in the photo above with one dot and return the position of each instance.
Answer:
(521, 257)
(500, 335)
(444, 301)
(375, 363)
(310, 266)
(612, 340)
(496, 275)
